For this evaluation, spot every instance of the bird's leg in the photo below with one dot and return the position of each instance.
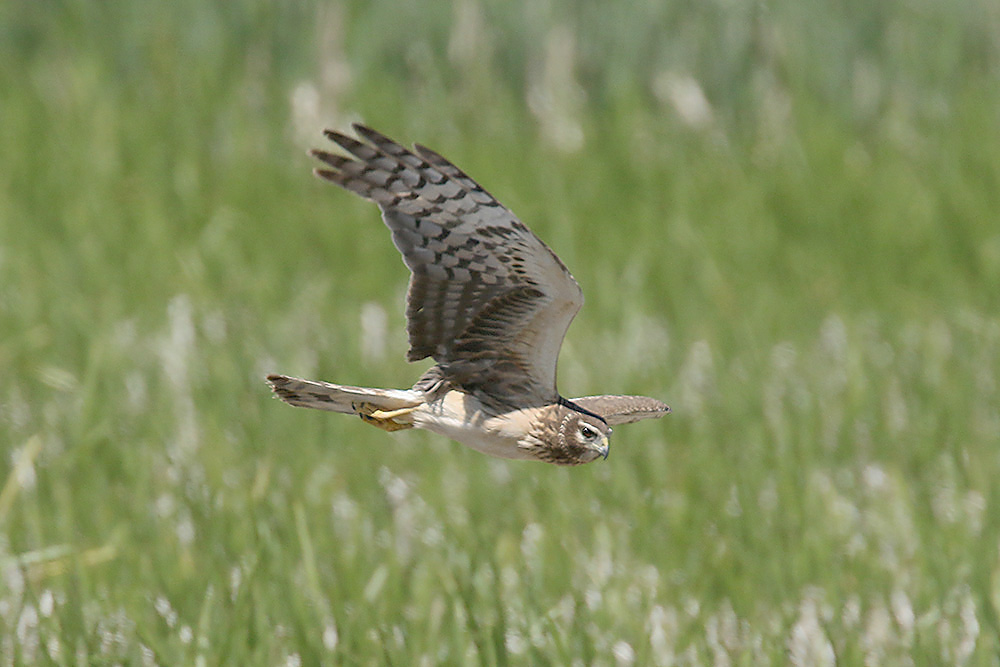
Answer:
(393, 413)
(371, 414)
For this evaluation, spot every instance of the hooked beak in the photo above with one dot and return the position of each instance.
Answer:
(604, 448)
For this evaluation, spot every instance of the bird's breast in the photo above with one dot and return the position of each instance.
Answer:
(463, 418)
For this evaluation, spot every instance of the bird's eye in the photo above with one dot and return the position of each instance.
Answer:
(587, 432)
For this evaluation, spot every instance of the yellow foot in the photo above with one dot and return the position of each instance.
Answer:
(382, 419)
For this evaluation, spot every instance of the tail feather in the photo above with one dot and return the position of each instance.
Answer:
(339, 398)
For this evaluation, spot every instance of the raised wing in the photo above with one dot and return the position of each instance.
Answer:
(488, 300)
(623, 409)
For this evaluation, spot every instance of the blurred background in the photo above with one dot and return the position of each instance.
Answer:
(783, 215)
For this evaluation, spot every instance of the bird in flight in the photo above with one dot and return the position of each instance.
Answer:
(487, 300)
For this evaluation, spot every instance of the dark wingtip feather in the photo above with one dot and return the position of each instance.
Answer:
(364, 131)
(335, 161)
(428, 154)
(326, 174)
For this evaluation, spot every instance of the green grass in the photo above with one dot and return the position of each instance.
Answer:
(784, 217)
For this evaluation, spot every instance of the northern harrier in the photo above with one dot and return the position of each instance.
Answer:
(488, 300)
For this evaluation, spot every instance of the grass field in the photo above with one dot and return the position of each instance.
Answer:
(784, 216)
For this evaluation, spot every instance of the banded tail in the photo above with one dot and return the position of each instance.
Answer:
(340, 398)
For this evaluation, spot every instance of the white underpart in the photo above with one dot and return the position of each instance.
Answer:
(460, 417)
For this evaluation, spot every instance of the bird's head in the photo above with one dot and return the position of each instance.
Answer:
(569, 435)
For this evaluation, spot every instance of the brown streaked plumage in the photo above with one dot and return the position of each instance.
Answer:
(488, 301)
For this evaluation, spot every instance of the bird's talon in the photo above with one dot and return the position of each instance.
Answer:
(382, 419)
